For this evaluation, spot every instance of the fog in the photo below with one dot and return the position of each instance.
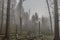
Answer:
(29, 19)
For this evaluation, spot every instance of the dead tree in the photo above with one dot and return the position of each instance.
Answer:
(7, 20)
(2, 16)
(56, 17)
(49, 16)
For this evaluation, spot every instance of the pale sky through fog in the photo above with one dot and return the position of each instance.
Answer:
(38, 6)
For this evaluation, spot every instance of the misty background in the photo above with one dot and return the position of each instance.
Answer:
(30, 8)
(36, 19)
(29, 11)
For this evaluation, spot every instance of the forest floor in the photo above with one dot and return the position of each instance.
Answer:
(29, 37)
(26, 37)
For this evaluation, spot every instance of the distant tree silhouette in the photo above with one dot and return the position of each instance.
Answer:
(33, 18)
(36, 16)
(35, 21)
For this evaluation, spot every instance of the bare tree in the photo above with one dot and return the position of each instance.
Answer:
(2, 16)
(7, 20)
(49, 16)
(56, 20)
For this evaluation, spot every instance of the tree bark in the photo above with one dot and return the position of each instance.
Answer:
(2, 16)
(56, 17)
(7, 20)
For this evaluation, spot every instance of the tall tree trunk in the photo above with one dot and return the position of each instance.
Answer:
(20, 16)
(7, 21)
(56, 20)
(49, 16)
(2, 15)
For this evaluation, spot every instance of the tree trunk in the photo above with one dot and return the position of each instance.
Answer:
(49, 16)
(20, 16)
(7, 21)
(56, 20)
(2, 16)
